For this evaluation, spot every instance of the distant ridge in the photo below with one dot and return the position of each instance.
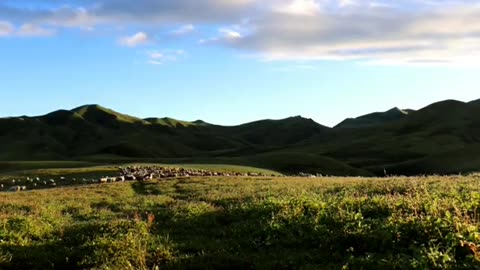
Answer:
(441, 138)
(169, 122)
(376, 118)
(98, 114)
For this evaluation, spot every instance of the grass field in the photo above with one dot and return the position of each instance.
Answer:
(22, 170)
(246, 223)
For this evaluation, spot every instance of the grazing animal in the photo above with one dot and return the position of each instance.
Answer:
(1, 186)
(14, 189)
(23, 188)
(130, 177)
(103, 180)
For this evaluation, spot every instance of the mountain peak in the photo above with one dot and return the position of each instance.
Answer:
(98, 114)
(200, 123)
(374, 119)
(83, 108)
(397, 110)
(169, 122)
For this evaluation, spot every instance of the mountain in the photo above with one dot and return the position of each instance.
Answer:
(443, 138)
(170, 122)
(373, 119)
(105, 117)
(440, 138)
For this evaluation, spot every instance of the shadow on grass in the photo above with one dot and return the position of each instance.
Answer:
(65, 249)
(260, 235)
(146, 188)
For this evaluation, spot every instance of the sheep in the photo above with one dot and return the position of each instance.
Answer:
(1, 186)
(103, 180)
(14, 189)
(23, 188)
(130, 177)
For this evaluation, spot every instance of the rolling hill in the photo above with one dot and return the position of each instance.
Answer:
(441, 138)
(374, 119)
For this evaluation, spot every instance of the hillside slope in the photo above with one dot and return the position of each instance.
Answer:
(373, 119)
(411, 144)
(441, 138)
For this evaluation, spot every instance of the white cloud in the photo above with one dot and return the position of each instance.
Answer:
(140, 38)
(360, 32)
(6, 29)
(31, 30)
(159, 57)
(299, 7)
(183, 30)
(229, 34)
(375, 31)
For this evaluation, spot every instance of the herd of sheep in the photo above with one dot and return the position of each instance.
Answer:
(131, 173)
(142, 173)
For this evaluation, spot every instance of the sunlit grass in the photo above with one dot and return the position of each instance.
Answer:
(245, 223)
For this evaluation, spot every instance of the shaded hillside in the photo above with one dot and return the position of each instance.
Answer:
(92, 130)
(374, 119)
(170, 122)
(418, 141)
(440, 138)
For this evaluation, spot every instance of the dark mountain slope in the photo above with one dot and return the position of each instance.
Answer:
(374, 119)
(441, 138)
(102, 116)
(283, 132)
(92, 130)
(439, 129)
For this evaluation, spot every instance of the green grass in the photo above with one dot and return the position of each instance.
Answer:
(11, 166)
(246, 223)
(20, 171)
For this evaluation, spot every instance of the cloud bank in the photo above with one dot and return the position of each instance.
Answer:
(376, 32)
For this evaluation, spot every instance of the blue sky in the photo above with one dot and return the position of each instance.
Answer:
(230, 62)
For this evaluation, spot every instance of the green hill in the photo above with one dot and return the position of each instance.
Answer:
(440, 138)
(169, 122)
(373, 119)
(103, 116)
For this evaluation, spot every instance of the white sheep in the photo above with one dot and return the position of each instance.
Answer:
(14, 189)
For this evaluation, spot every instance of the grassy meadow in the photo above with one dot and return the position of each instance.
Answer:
(246, 223)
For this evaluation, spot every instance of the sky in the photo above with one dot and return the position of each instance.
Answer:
(234, 61)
